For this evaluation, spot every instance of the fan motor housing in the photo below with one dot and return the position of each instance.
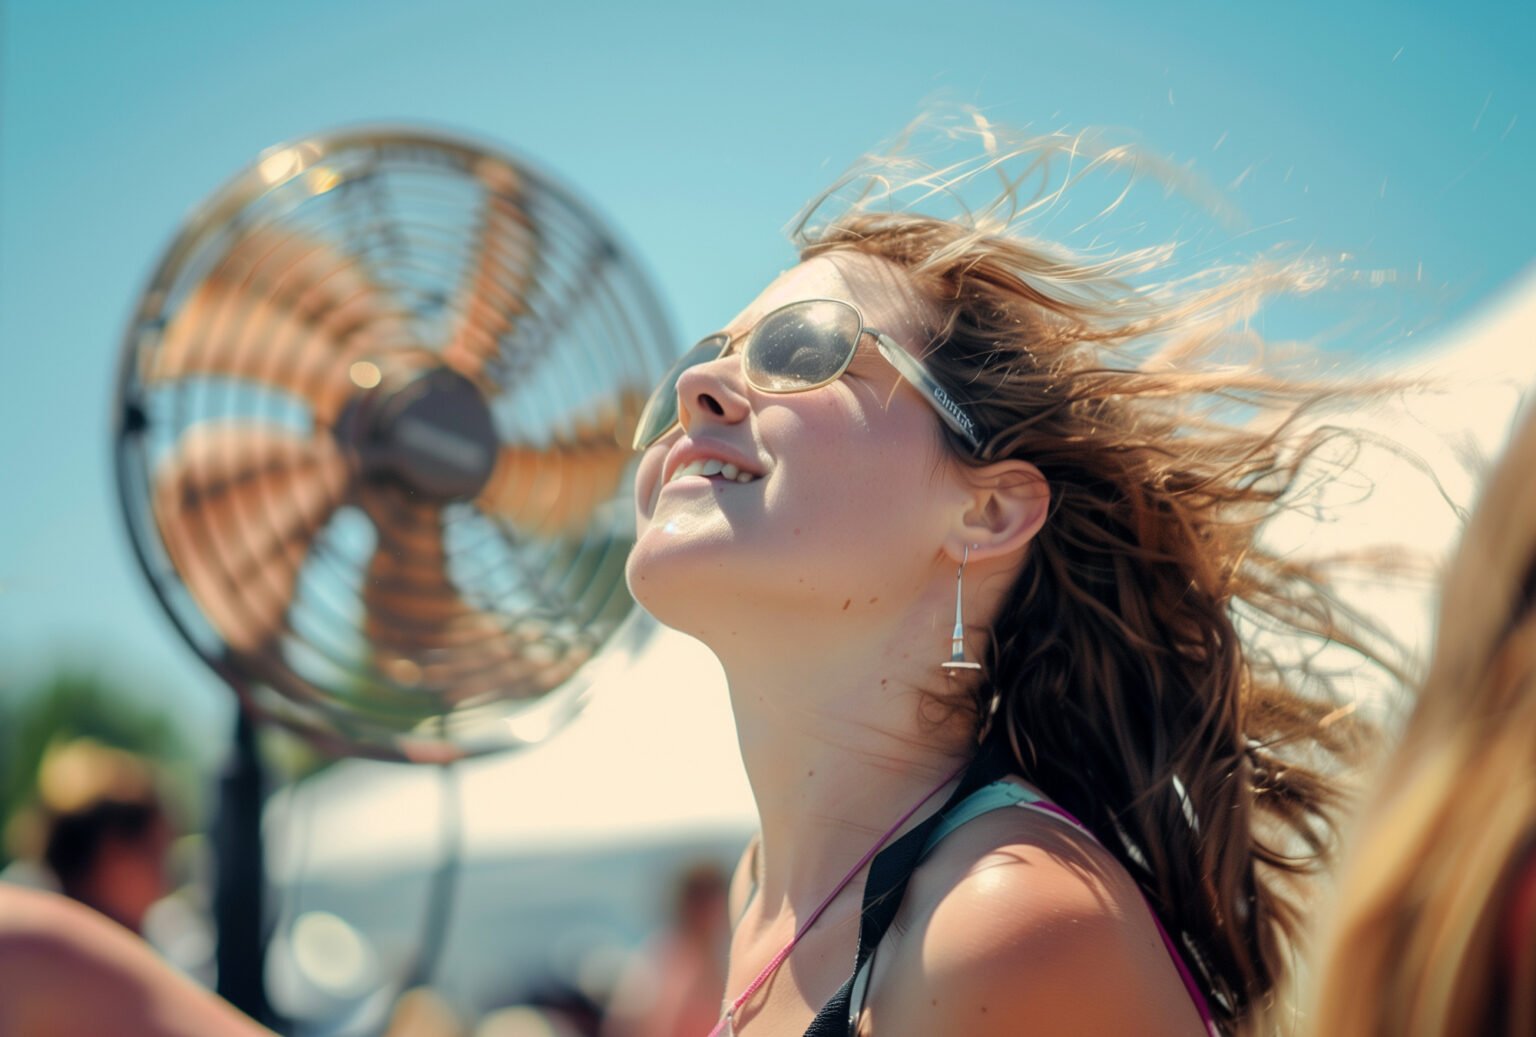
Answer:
(433, 434)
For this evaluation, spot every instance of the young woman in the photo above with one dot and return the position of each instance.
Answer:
(1087, 806)
(1436, 935)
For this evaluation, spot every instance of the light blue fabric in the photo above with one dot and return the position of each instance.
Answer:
(984, 800)
(995, 796)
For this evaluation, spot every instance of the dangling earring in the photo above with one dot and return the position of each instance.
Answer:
(957, 659)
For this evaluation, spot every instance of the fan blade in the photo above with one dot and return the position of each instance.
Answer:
(494, 294)
(421, 630)
(285, 311)
(553, 490)
(238, 507)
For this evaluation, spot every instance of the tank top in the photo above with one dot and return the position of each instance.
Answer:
(891, 871)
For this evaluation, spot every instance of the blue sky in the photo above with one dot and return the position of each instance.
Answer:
(1401, 134)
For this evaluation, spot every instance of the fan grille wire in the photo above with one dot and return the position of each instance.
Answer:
(317, 561)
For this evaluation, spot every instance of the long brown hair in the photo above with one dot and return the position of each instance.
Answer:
(1426, 897)
(1126, 679)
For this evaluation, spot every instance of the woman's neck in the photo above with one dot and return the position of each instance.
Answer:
(839, 740)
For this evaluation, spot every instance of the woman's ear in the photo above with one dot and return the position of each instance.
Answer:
(1004, 506)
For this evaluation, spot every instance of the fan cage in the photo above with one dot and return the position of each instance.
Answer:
(465, 261)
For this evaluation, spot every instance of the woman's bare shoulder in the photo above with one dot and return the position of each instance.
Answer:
(1018, 915)
(51, 948)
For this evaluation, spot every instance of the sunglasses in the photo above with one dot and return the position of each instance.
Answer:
(798, 347)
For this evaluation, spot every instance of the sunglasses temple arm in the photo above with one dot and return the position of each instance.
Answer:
(951, 412)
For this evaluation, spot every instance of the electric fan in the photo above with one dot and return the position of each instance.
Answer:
(373, 409)
(373, 415)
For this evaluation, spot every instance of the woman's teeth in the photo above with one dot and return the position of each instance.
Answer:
(713, 467)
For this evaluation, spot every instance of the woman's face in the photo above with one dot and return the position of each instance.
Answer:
(849, 510)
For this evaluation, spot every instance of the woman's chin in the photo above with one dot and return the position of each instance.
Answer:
(657, 572)
(688, 586)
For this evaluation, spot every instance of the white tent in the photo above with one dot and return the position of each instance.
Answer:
(1414, 464)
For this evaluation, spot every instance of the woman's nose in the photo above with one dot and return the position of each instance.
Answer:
(712, 392)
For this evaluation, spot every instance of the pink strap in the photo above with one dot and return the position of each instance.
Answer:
(1196, 995)
(778, 959)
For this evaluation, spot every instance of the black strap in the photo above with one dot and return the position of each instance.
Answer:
(889, 876)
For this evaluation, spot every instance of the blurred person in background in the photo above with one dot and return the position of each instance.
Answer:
(1436, 924)
(525, 1021)
(423, 1012)
(672, 989)
(73, 961)
(100, 829)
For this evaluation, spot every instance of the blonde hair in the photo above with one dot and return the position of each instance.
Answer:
(1425, 897)
(1127, 682)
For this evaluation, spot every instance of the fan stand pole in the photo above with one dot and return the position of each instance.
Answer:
(240, 877)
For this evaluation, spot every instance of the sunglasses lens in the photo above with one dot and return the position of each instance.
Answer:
(660, 411)
(801, 346)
